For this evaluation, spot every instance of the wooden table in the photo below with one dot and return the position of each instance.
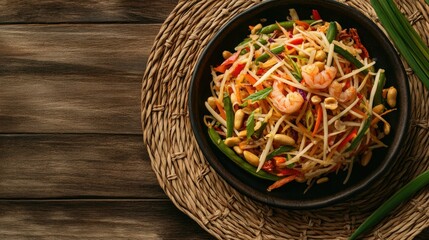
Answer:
(72, 160)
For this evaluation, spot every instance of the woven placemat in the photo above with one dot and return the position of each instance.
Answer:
(197, 190)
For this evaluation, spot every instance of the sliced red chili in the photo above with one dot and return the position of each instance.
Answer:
(316, 15)
(227, 63)
(238, 69)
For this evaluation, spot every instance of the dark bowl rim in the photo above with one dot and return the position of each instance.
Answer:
(403, 125)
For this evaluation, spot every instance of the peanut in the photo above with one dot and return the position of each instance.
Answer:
(320, 55)
(283, 139)
(251, 158)
(238, 119)
(232, 141)
(391, 96)
(226, 54)
(331, 103)
(238, 150)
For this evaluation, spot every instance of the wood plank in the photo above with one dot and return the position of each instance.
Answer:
(57, 11)
(147, 219)
(96, 220)
(73, 78)
(75, 165)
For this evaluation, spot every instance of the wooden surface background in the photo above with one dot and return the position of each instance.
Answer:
(72, 161)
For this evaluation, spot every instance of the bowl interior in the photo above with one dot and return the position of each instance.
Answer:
(292, 196)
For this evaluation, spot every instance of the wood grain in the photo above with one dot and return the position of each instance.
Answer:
(57, 11)
(96, 220)
(75, 166)
(73, 78)
(72, 161)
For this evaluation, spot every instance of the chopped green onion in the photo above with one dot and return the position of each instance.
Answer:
(309, 119)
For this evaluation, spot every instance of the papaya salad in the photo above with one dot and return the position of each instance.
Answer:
(299, 100)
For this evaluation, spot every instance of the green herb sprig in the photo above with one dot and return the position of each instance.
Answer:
(405, 37)
(399, 197)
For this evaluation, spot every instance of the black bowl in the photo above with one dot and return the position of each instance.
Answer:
(292, 196)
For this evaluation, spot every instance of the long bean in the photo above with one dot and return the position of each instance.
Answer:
(348, 56)
(399, 197)
(287, 25)
(227, 104)
(264, 57)
(255, 45)
(332, 32)
(215, 138)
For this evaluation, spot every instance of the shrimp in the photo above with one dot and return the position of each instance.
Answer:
(290, 103)
(316, 79)
(336, 90)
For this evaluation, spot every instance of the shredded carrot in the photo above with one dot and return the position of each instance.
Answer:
(264, 107)
(349, 137)
(221, 110)
(279, 159)
(302, 24)
(358, 111)
(318, 119)
(237, 93)
(313, 150)
(281, 182)
(249, 89)
(252, 81)
(227, 63)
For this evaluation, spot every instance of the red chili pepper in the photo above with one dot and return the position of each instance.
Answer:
(227, 63)
(261, 71)
(358, 43)
(238, 69)
(302, 24)
(295, 41)
(316, 15)
(252, 81)
(288, 172)
(269, 166)
(281, 182)
(349, 137)
(279, 159)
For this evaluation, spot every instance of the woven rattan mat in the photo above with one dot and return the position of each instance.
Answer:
(197, 190)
